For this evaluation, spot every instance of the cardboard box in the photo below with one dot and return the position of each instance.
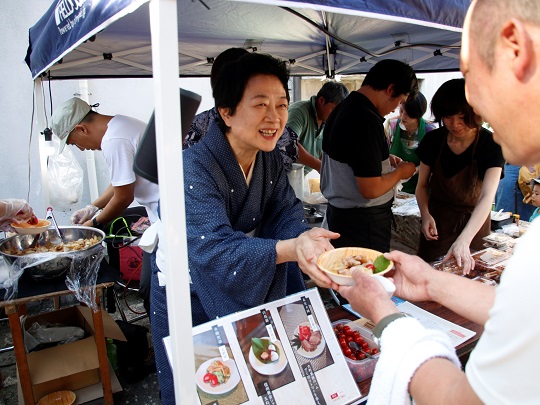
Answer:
(72, 365)
(84, 395)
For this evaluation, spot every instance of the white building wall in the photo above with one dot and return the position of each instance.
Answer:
(20, 175)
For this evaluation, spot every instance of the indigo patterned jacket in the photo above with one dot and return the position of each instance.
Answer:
(231, 271)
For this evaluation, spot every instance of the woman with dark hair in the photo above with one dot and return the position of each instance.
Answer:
(406, 132)
(291, 151)
(460, 170)
(246, 233)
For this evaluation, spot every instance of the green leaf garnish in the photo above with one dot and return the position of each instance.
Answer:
(260, 346)
(296, 342)
(381, 263)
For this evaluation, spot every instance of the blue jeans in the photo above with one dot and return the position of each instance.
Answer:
(509, 197)
(159, 322)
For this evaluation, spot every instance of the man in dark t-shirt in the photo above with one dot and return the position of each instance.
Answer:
(358, 173)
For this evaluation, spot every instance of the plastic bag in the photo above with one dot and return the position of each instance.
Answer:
(47, 334)
(65, 179)
(9, 277)
(80, 278)
(17, 268)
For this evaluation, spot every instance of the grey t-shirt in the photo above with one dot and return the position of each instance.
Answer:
(339, 187)
(354, 145)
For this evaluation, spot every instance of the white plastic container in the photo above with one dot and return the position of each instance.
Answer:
(296, 179)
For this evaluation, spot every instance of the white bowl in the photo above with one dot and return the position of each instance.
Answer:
(330, 257)
(25, 228)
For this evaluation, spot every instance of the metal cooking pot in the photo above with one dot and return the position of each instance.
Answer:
(59, 262)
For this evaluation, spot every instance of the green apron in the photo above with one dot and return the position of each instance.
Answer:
(401, 147)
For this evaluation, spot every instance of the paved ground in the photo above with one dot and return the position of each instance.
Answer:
(144, 392)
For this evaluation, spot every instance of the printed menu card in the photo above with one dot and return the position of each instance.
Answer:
(283, 352)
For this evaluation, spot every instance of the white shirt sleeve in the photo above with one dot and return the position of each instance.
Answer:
(505, 365)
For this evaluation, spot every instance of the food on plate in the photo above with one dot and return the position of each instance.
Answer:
(31, 223)
(33, 226)
(490, 256)
(339, 263)
(485, 280)
(79, 244)
(264, 350)
(217, 373)
(307, 338)
(352, 343)
(346, 265)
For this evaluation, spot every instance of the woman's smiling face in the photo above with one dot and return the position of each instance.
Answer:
(456, 126)
(260, 117)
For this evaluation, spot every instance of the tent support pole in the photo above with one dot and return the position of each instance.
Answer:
(89, 154)
(164, 32)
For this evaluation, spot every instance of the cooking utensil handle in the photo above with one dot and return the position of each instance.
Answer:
(50, 216)
(34, 241)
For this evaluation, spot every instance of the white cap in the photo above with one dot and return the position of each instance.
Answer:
(67, 116)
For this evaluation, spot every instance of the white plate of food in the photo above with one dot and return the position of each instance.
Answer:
(224, 371)
(338, 263)
(25, 228)
(270, 366)
(307, 342)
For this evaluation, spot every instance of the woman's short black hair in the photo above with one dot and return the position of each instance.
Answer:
(415, 106)
(227, 56)
(449, 99)
(229, 89)
(391, 71)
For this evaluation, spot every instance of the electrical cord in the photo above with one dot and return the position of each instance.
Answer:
(50, 97)
(30, 141)
(123, 244)
(116, 235)
(129, 281)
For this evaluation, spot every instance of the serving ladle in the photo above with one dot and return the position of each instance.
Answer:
(34, 241)
(50, 217)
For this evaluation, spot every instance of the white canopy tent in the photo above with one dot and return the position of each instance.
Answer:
(172, 38)
(112, 39)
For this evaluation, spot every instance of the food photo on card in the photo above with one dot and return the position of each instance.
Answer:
(263, 351)
(305, 335)
(274, 368)
(216, 371)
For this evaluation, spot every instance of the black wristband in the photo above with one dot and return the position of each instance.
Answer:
(96, 224)
(383, 323)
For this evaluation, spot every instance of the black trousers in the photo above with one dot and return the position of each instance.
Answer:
(368, 227)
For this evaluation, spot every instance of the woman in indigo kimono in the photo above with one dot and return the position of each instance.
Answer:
(247, 236)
